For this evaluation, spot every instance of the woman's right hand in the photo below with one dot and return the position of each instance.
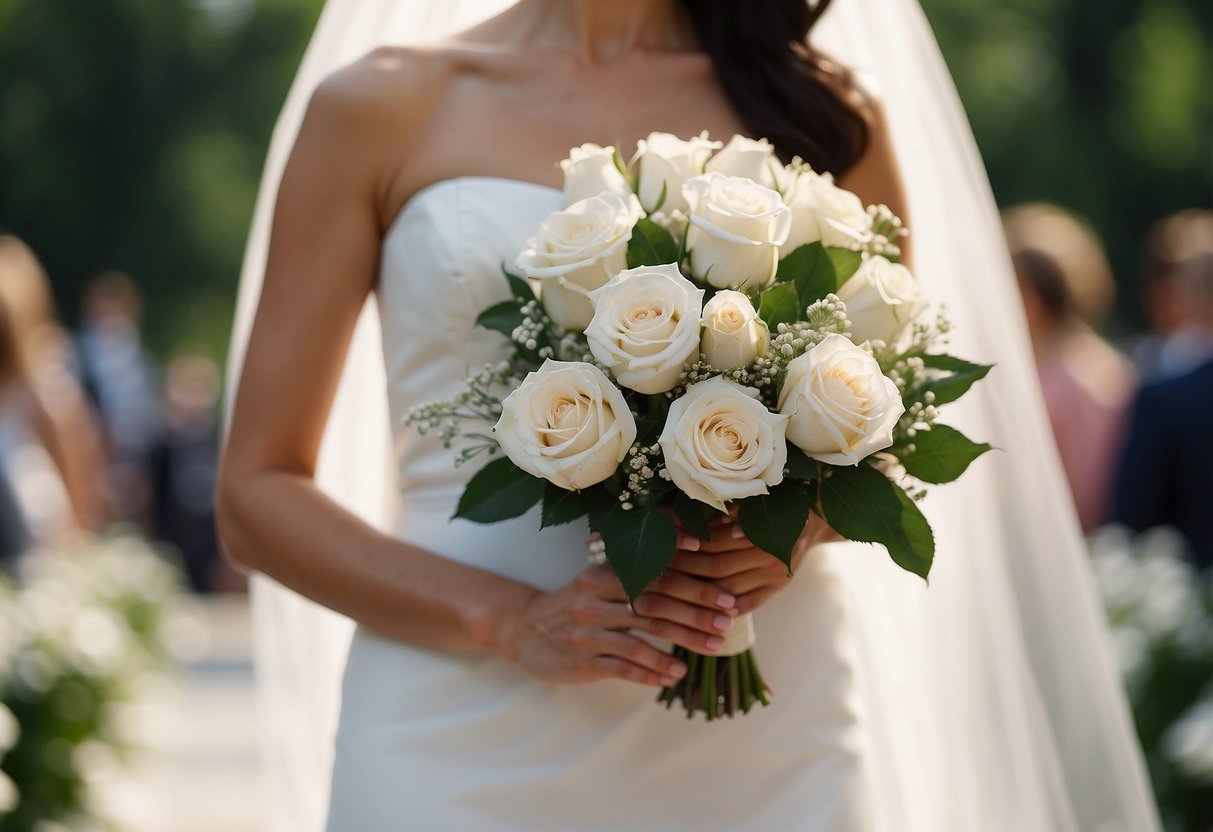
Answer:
(586, 631)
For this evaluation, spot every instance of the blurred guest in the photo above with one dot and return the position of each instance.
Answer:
(184, 460)
(1067, 289)
(38, 502)
(119, 376)
(43, 393)
(15, 537)
(1166, 474)
(1178, 342)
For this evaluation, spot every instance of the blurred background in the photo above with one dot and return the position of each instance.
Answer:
(132, 134)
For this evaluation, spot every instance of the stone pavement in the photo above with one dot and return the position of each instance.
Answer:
(197, 771)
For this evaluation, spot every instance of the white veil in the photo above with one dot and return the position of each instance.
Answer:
(992, 697)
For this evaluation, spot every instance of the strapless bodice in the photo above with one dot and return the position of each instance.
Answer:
(441, 265)
(436, 739)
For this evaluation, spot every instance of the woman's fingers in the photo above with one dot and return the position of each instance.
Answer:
(648, 664)
(744, 583)
(692, 590)
(600, 582)
(708, 622)
(717, 565)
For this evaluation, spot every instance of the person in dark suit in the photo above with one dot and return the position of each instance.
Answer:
(1166, 470)
(15, 537)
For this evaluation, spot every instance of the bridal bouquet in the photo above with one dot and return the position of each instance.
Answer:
(706, 330)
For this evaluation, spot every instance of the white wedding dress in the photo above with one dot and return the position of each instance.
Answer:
(438, 740)
(987, 701)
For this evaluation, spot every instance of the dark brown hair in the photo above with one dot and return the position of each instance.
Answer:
(781, 88)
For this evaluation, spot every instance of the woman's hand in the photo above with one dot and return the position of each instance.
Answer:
(735, 566)
(583, 632)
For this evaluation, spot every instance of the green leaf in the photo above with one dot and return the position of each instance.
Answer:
(846, 263)
(502, 317)
(960, 377)
(863, 504)
(561, 506)
(520, 287)
(778, 304)
(600, 502)
(811, 271)
(941, 454)
(800, 466)
(651, 245)
(774, 522)
(693, 515)
(640, 544)
(499, 491)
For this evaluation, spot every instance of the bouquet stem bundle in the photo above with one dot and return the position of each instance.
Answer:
(717, 686)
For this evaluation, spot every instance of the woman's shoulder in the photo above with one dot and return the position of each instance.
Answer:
(382, 99)
(386, 86)
(407, 79)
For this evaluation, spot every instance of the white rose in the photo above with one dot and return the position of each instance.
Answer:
(665, 163)
(566, 423)
(578, 250)
(646, 327)
(882, 298)
(736, 229)
(589, 171)
(721, 443)
(823, 211)
(748, 158)
(733, 334)
(842, 407)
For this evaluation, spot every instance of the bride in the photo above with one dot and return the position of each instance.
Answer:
(496, 682)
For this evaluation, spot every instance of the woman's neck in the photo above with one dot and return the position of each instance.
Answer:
(603, 31)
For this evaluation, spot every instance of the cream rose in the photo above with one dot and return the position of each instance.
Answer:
(721, 443)
(882, 298)
(748, 158)
(646, 327)
(733, 334)
(566, 423)
(665, 163)
(842, 407)
(578, 250)
(736, 229)
(589, 171)
(823, 211)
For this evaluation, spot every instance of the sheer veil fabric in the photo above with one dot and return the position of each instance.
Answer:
(992, 700)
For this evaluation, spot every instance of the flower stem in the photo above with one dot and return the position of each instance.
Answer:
(717, 686)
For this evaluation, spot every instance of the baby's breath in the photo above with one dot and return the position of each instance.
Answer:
(478, 402)
(645, 469)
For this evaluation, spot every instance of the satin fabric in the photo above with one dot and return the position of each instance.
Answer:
(430, 739)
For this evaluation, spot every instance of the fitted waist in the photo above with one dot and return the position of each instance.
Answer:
(517, 548)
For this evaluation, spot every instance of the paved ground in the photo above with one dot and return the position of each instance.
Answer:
(198, 772)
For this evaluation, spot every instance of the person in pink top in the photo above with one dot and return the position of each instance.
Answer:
(1067, 289)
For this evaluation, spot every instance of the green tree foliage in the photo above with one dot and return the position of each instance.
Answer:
(132, 135)
(1102, 106)
(132, 132)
